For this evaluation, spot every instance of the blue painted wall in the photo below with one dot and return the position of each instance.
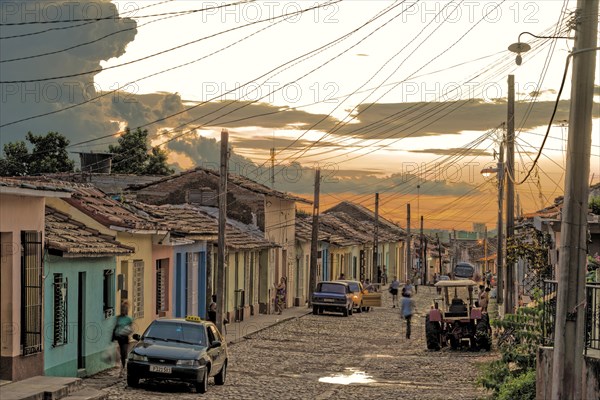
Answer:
(179, 292)
(62, 360)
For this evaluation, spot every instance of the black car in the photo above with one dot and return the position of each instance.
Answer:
(332, 296)
(189, 350)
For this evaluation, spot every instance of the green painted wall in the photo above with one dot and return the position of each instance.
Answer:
(62, 360)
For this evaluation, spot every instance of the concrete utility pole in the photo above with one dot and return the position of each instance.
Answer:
(454, 253)
(376, 240)
(485, 252)
(222, 254)
(510, 303)
(499, 248)
(272, 167)
(570, 300)
(409, 263)
(422, 255)
(314, 243)
(439, 251)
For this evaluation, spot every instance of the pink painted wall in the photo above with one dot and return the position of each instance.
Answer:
(17, 213)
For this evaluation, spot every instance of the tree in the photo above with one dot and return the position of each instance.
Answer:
(49, 155)
(16, 159)
(132, 156)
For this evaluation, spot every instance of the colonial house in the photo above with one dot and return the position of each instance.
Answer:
(193, 235)
(79, 296)
(390, 238)
(22, 216)
(249, 202)
(135, 272)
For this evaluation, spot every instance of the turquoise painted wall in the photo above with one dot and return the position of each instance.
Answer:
(62, 360)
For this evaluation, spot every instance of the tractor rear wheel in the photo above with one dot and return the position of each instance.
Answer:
(432, 334)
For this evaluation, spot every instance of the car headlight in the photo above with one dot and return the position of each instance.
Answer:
(188, 363)
(136, 357)
(355, 297)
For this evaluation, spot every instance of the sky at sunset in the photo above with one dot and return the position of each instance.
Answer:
(404, 98)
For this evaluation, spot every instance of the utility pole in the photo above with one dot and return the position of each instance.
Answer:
(454, 253)
(485, 252)
(510, 303)
(376, 241)
(499, 248)
(222, 255)
(409, 263)
(570, 299)
(439, 251)
(422, 255)
(314, 249)
(272, 167)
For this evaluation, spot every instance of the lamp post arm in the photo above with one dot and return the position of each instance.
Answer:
(542, 37)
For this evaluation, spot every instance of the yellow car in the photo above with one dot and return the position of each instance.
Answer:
(357, 294)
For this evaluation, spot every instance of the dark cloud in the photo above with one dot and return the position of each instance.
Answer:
(265, 143)
(21, 100)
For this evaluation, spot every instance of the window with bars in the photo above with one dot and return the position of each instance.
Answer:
(138, 289)
(162, 285)
(31, 292)
(60, 310)
(108, 293)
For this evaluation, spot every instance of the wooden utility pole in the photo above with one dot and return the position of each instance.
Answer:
(272, 167)
(376, 241)
(222, 250)
(510, 300)
(454, 253)
(314, 249)
(570, 300)
(408, 243)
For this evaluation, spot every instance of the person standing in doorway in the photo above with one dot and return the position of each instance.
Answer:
(408, 309)
(280, 296)
(212, 309)
(394, 292)
(123, 328)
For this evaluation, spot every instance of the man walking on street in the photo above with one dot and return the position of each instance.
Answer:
(408, 309)
(394, 291)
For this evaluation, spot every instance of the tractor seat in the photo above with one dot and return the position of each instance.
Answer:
(457, 308)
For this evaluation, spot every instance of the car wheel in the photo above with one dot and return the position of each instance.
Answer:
(202, 386)
(220, 377)
(133, 381)
(315, 310)
(345, 312)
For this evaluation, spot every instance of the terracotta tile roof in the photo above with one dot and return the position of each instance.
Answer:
(201, 223)
(69, 238)
(99, 206)
(361, 213)
(233, 179)
(17, 183)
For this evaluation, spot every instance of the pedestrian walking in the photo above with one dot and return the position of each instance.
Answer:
(488, 279)
(408, 309)
(123, 328)
(394, 292)
(280, 295)
(342, 277)
(407, 289)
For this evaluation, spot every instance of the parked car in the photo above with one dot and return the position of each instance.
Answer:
(189, 350)
(357, 294)
(332, 296)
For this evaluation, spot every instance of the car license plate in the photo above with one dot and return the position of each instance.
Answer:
(160, 368)
(329, 300)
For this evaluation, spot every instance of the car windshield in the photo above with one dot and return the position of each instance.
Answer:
(177, 332)
(463, 271)
(332, 288)
(353, 287)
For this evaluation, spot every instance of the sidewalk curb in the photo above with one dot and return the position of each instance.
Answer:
(281, 321)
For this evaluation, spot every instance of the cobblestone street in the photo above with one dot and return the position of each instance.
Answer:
(301, 358)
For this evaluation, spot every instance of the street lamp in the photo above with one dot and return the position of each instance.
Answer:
(521, 47)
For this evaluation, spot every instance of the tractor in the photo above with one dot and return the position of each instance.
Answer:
(455, 320)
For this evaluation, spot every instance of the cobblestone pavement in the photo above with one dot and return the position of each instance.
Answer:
(287, 361)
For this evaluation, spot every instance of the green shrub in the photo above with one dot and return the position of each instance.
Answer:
(520, 387)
